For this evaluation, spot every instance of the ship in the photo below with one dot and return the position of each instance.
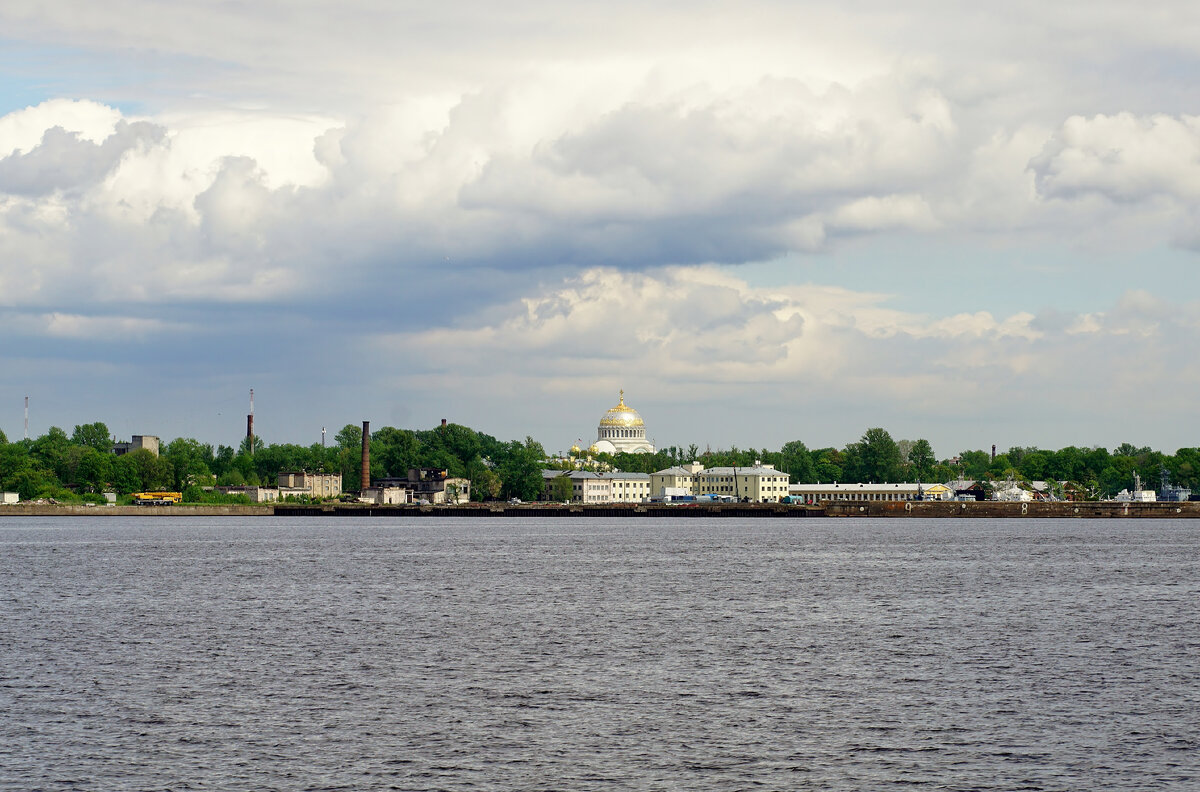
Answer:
(1170, 492)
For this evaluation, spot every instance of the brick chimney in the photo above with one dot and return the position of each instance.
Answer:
(366, 456)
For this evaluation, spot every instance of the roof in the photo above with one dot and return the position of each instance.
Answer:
(742, 471)
(587, 474)
(901, 486)
(675, 471)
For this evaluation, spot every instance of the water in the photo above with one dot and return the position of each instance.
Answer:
(229, 654)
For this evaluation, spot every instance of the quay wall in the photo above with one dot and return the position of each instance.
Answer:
(947, 509)
(1060, 509)
(899, 510)
(552, 510)
(80, 510)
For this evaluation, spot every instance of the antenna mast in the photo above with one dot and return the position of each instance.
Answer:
(26, 417)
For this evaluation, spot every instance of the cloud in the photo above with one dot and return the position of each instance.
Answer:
(79, 327)
(688, 335)
(1122, 157)
(701, 325)
(22, 130)
(64, 161)
(550, 191)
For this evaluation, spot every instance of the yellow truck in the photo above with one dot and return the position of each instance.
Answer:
(157, 498)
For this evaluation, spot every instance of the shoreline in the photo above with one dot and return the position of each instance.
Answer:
(895, 509)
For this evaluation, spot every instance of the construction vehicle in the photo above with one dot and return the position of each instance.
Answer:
(157, 498)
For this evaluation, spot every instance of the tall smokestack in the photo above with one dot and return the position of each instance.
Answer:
(250, 423)
(366, 460)
(993, 452)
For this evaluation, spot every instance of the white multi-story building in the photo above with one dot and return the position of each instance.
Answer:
(590, 487)
(680, 477)
(758, 484)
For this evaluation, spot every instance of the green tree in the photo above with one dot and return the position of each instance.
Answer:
(797, 462)
(222, 460)
(876, 458)
(51, 451)
(974, 464)
(140, 471)
(485, 484)
(94, 471)
(1185, 468)
(1032, 464)
(30, 482)
(349, 436)
(93, 435)
(189, 461)
(827, 465)
(922, 460)
(561, 488)
(1130, 450)
(397, 450)
(520, 469)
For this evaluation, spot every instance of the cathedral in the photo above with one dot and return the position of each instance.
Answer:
(621, 430)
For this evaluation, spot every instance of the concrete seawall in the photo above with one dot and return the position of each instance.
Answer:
(900, 510)
(76, 510)
(925, 509)
(1093, 509)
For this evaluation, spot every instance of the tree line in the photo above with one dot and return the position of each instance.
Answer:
(877, 457)
(80, 465)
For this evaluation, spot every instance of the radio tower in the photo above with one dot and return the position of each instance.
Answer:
(26, 417)
(250, 423)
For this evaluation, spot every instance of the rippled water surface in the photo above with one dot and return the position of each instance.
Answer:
(193, 653)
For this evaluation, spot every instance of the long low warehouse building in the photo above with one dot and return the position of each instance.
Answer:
(824, 493)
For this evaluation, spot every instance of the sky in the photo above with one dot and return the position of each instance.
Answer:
(764, 221)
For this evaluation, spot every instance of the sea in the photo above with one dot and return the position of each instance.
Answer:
(192, 653)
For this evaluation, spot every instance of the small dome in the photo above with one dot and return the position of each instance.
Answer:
(622, 415)
(576, 450)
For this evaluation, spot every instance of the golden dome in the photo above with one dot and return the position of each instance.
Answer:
(621, 415)
(576, 450)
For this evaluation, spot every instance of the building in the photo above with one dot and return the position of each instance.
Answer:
(314, 485)
(628, 487)
(590, 487)
(758, 484)
(680, 477)
(621, 430)
(386, 496)
(939, 492)
(432, 485)
(902, 491)
(255, 494)
(586, 486)
(137, 442)
(9, 498)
